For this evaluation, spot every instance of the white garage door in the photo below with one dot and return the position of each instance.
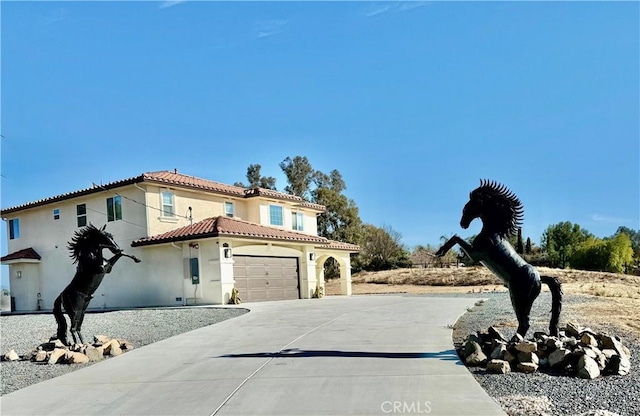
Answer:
(266, 278)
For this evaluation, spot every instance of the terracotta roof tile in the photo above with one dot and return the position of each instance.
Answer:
(231, 227)
(338, 245)
(24, 254)
(172, 178)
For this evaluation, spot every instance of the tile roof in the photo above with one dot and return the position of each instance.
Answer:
(229, 227)
(175, 179)
(24, 254)
(338, 245)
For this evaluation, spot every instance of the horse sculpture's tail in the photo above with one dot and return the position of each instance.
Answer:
(556, 301)
(62, 322)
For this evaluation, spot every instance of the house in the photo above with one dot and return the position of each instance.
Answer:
(197, 239)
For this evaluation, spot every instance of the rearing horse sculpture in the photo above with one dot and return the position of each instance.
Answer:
(501, 213)
(86, 249)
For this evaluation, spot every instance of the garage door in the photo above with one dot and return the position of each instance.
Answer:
(266, 278)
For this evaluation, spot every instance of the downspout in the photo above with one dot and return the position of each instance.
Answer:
(184, 299)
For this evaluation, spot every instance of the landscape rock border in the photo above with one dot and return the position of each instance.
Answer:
(577, 351)
(55, 352)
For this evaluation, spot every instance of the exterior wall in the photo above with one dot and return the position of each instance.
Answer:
(50, 237)
(310, 224)
(26, 288)
(203, 205)
(344, 260)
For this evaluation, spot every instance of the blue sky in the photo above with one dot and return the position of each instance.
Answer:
(413, 102)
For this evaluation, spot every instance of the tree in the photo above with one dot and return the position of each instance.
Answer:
(519, 245)
(341, 220)
(299, 175)
(610, 255)
(256, 180)
(561, 240)
(424, 255)
(634, 236)
(381, 249)
(527, 246)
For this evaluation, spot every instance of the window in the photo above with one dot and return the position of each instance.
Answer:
(297, 221)
(168, 209)
(228, 209)
(275, 215)
(81, 212)
(14, 229)
(114, 208)
(56, 214)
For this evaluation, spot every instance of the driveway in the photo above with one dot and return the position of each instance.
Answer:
(361, 355)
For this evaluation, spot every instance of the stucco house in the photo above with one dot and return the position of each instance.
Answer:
(197, 239)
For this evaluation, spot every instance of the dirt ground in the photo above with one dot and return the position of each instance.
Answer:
(614, 299)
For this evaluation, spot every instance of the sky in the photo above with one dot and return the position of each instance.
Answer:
(412, 102)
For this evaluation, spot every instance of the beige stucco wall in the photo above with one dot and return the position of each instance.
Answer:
(49, 237)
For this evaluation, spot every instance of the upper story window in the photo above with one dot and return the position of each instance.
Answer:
(168, 204)
(56, 214)
(81, 212)
(275, 215)
(114, 208)
(297, 221)
(228, 209)
(14, 229)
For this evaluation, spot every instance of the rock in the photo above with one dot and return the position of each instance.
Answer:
(618, 364)
(498, 352)
(553, 343)
(526, 346)
(94, 353)
(572, 330)
(77, 358)
(126, 345)
(495, 334)
(56, 355)
(558, 357)
(510, 358)
(608, 353)
(101, 339)
(528, 367)
(588, 339)
(115, 350)
(476, 358)
(498, 367)
(40, 357)
(588, 368)
(528, 357)
(11, 356)
(517, 338)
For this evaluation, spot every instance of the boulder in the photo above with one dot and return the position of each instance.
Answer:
(528, 367)
(101, 339)
(572, 330)
(94, 353)
(499, 351)
(588, 368)
(553, 343)
(495, 334)
(11, 356)
(476, 358)
(510, 358)
(56, 355)
(498, 367)
(619, 365)
(528, 357)
(558, 357)
(526, 346)
(40, 356)
(77, 358)
(126, 345)
(588, 339)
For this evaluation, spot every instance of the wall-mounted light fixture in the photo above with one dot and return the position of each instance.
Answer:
(227, 253)
(312, 256)
(194, 245)
(19, 274)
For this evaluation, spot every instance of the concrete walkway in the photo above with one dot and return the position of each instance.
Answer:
(363, 355)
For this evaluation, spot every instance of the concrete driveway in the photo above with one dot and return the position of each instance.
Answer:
(363, 355)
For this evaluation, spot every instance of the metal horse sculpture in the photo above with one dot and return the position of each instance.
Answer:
(86, 250)
(501, 213)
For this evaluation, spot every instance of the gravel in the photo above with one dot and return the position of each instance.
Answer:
(544, 394)
(23, 333)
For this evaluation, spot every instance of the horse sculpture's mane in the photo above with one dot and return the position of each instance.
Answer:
(81, 238)
(501, 205)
